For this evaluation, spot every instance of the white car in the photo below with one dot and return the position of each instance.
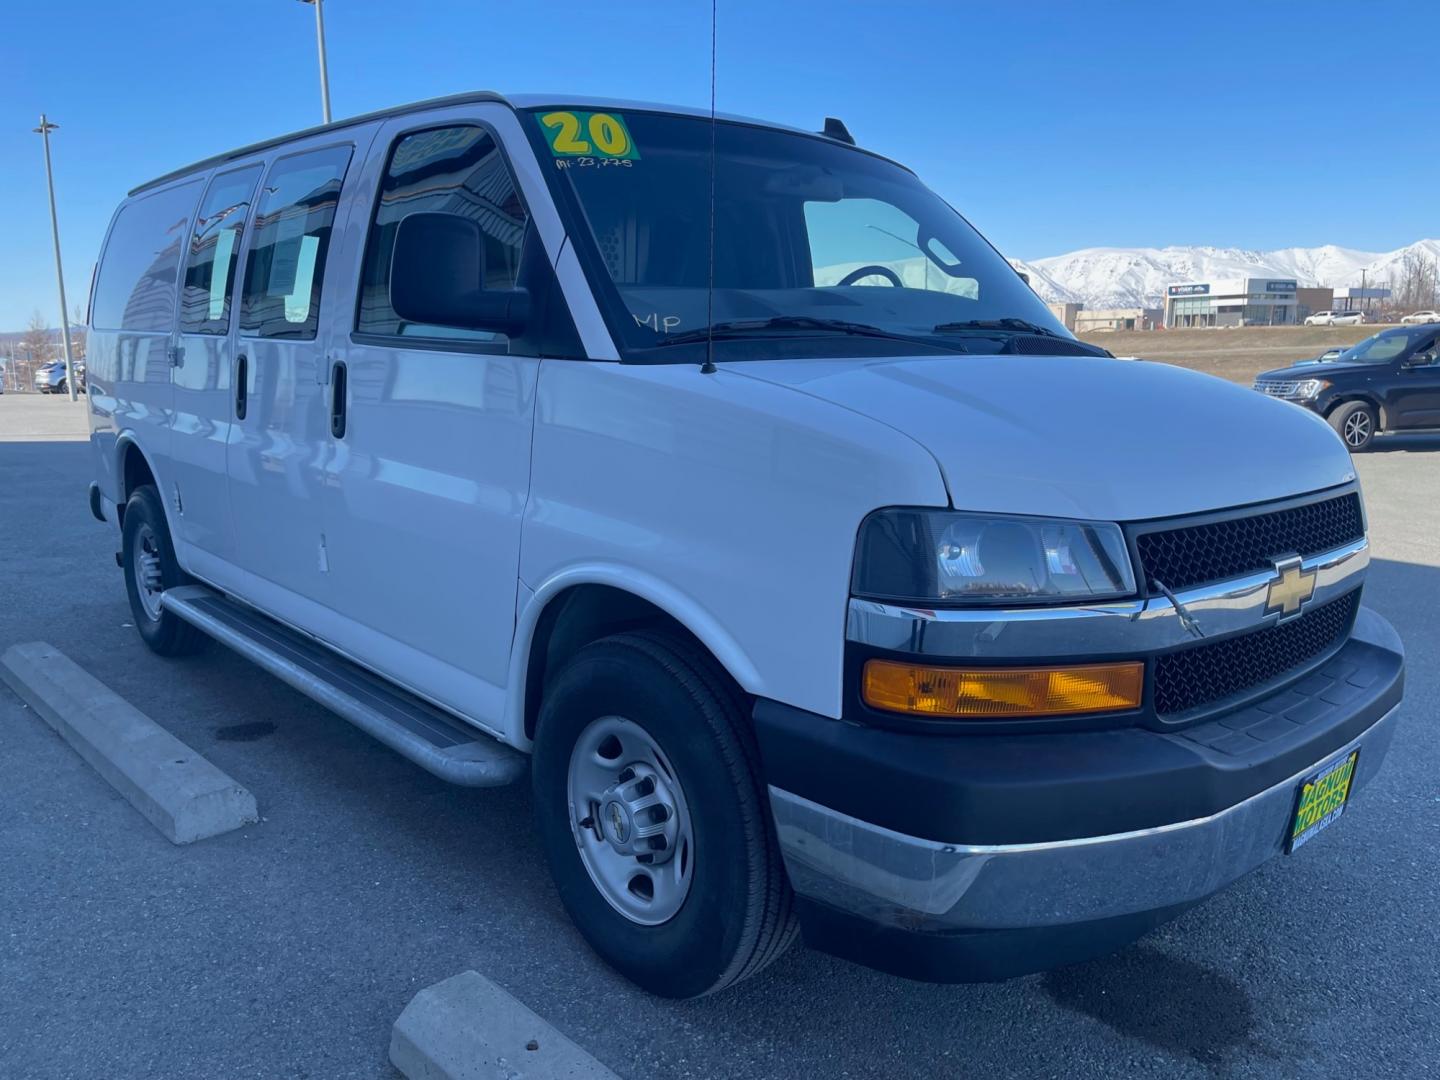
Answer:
(1422, 317)
(801, 576)
(1337, 318)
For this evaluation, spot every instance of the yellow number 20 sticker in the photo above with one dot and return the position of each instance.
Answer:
(587, 134)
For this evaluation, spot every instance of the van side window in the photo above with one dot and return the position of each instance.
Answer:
(285, 262)
(456, 170)
(140, 270)
(214, 250)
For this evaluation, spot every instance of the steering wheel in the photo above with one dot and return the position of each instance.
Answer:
(866, 271)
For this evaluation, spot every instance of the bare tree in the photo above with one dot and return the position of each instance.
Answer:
(77, 332)
(32, 351)
(1417, 282)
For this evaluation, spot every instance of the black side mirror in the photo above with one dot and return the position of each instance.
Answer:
(437, 277)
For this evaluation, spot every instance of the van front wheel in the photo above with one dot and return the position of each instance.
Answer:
(653, 817)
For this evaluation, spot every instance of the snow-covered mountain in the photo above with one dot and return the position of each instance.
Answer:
(1136, 277)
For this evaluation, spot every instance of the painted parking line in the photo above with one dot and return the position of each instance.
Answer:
(468, 1028)
(177, 790)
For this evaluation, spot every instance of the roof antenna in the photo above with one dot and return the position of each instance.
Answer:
(708, 368)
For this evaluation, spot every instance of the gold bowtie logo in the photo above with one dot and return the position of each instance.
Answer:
(1290, 589)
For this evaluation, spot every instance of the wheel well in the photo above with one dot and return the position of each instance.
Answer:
(576, 617)
(1364, 400)
(135, 471)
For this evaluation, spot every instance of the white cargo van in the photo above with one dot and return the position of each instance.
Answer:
(822, 580)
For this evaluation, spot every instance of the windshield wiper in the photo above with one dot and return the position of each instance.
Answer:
(1012, 326)
(739, 328)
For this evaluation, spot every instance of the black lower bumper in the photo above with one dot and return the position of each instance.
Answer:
(959, 858)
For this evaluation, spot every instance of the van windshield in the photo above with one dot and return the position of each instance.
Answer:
(820, 249)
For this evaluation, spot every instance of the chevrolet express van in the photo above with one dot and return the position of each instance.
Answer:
(821, 579)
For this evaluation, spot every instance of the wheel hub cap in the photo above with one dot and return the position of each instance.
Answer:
(1357, 429)
(148, 580)
(630, 820)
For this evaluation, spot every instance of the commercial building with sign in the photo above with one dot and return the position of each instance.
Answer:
(1238, 302)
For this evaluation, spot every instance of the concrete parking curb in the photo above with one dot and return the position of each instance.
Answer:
(182, 794)
(467, 1028)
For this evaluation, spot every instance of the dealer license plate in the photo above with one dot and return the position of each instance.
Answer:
(1321, 800)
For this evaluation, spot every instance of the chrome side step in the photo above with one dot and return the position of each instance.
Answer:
(431, 738)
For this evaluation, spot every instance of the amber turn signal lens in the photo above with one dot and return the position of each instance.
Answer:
(1000, 693)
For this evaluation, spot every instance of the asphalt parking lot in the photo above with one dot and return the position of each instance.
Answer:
(289, 947)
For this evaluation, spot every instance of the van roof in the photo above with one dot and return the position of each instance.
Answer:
(514, 101)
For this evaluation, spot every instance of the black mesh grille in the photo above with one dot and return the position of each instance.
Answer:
(1244, 545)
(1038, 345)
(1196, 676)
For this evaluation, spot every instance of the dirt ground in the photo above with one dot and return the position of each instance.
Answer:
(1239, 354)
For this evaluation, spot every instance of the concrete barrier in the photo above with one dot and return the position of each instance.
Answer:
(178, 791)
(467, 1028)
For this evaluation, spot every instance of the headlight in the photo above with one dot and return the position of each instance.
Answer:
(1309, 388)
(934, 556)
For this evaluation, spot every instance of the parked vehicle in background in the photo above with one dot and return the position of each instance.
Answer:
(1388, 382)
(1426, 316)
(1324, 358)
(50, 377)
(1337, 318)
(798, 565)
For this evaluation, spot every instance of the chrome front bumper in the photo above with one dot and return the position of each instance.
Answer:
(891, 879)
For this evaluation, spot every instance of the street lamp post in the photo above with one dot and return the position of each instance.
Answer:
(44, 132)
(320, 47)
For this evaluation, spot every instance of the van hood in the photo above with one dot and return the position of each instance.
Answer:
(1085, 437)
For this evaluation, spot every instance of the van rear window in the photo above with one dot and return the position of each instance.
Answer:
(136, 286)
(214, 248)
(286, 261)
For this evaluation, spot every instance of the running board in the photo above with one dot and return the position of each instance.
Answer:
(433, 739)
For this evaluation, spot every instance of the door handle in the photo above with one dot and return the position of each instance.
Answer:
(337, 400)
(242, 388)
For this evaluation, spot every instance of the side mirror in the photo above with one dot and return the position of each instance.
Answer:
(437, 277)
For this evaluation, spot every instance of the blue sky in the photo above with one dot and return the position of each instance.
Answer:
(1052, 126)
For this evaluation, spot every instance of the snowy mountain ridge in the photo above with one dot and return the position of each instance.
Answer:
(1137, 277)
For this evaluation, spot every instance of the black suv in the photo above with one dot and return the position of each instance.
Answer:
(1388, 382)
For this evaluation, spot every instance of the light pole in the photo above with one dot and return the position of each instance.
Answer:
(320, 46)
(44, 132)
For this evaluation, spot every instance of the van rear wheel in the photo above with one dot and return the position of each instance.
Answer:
(148, 557)
(654, 819)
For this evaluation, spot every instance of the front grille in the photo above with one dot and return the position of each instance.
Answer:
(1276, 387)
(1203, 674)
(1233, 547)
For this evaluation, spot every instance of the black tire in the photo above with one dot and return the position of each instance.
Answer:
(164, 632)
(1356, 424)
(738, 915)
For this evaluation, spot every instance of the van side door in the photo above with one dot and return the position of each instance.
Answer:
(280, 431)
(429, 474)
(204, 367)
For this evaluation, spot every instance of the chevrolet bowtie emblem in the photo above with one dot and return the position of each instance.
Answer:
(1289, 590)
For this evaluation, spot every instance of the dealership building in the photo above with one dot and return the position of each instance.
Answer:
(1237, 302)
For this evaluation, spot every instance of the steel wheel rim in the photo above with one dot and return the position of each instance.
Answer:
(1357, 429)
(148, 583)
(630, 820)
